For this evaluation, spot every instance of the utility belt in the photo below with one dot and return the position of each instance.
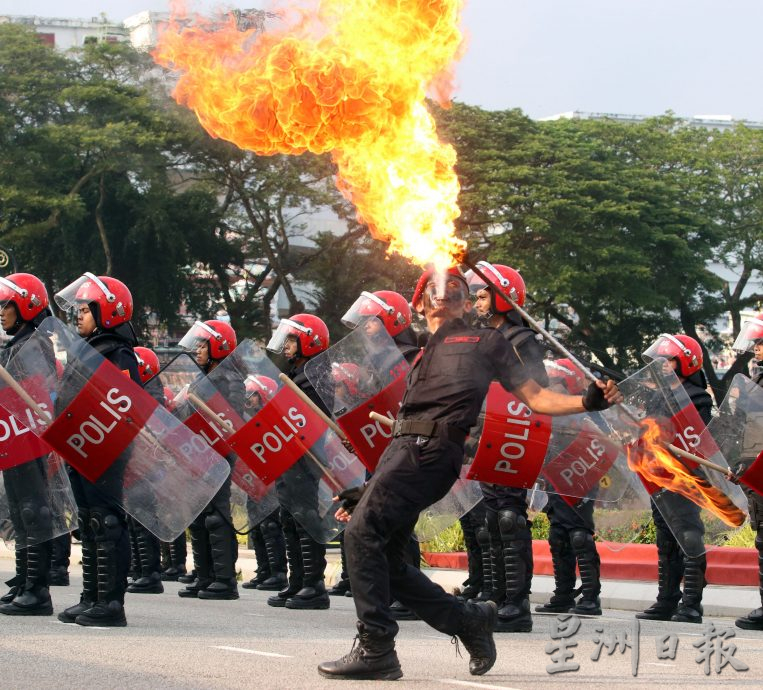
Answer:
(426, 429)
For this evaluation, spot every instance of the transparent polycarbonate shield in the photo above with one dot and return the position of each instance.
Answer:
(700, 506)
(117, 436)
(357, 376)
(36, 502)
(279, 437)
(738, 431)
(463, 496)
(177, 378)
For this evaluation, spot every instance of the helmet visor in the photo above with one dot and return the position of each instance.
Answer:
(286, 328)
(198, 333)
(366, 306)
(87, 288)
(10, 292)
(665, 347)
(750, 334)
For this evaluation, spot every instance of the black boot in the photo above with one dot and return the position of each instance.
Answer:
(132, 532)
(563, 559)
(263, 564)
(342, 585)
(34, 597)
(589, 564)
(110, 538)
(202, 560)
(221, 540)
(476, 634)
(59, 561)
(178, 552)
(313, 594)
(275, 547)
(149, 578)
(690, 608)
(670, 570)
(372, 657)
(754, 619)
(516, 550)
(89, 594)
(473, 585)
(492, 568)
(294, 557)
(16, 583)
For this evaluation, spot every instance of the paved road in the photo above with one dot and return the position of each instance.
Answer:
(185, 644)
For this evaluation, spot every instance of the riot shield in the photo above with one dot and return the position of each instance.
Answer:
(679, 488)
(117, 436)
(259, 501)
(38, 499)
(356, 376)
(463, 496)
(738, 431)
(284, 441)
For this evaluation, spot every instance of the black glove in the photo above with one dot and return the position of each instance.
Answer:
(594, 399)
(351, 497)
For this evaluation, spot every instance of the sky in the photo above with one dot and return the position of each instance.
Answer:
(641, 57)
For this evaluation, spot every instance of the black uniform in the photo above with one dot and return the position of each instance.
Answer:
(672, 564)
(102, 522)
(446, 387)
(754, 619)
(26, 488)
(213, 539)
(306, 588)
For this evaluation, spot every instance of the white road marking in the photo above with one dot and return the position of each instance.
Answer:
(470, 684)
(251, 651)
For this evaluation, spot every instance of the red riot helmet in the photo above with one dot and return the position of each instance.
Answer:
(261, 386)
(310, 331)
(110, 297)
(430, 274)
(390, 307)
(570, 375)
(148, 363)
(683, 348)
(502, 277)
(750, 335)
(219, 335)
(26, 292)
(347, 374)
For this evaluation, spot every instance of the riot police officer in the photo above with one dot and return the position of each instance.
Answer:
(24, 303)
(213, 539)
(104, 309)
(299, 338)
(505, 535)
(751, 339)
(684, 354)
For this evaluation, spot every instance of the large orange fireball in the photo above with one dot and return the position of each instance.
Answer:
(349, 78)
(650, 459)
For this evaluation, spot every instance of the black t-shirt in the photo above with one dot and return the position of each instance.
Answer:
(450, 380)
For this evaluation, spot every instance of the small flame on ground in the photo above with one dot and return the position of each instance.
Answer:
(656, 464)
(349, 78)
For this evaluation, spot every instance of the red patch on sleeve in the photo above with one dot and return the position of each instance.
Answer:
(462, 339)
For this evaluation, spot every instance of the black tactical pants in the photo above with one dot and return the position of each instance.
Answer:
(409, 478)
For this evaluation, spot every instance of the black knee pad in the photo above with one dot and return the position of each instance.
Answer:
(581, 539)
(270, 528)
(693, 541)
(759, 540)
(106, 526)
(483, 536)
(213, 522)
(511, 526)
(557, 538)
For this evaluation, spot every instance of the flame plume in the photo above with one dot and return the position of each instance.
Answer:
(350, 78)
(650, 459)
